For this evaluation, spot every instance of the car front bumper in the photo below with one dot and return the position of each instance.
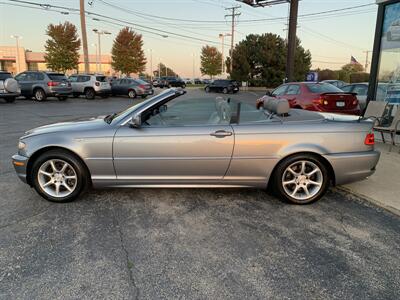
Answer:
(20, 165)
(350, 167)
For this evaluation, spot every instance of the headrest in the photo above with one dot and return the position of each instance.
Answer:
(277, 106)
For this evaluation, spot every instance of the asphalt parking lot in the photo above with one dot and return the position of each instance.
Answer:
(188, 243)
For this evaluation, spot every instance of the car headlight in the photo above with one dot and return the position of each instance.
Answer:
(21, 145)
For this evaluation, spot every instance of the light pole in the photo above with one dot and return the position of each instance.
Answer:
(222, 37)
(97, 58)
(194, 72)
(17, 64)
(99, 33)
(151, 64)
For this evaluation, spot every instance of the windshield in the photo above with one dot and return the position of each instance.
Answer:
(4, 76)
(320, 88)
(123, 114)
(57, 77)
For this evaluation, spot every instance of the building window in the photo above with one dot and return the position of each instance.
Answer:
(33, 66)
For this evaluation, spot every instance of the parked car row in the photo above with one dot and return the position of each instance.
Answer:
(40, 85)
(168, 82)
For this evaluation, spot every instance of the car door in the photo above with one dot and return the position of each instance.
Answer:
(24, 83)
(292, 94)
(185, 142)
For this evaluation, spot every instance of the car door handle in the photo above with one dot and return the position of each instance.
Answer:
(221, 133)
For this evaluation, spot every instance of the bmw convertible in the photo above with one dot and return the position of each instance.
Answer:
(174, 140)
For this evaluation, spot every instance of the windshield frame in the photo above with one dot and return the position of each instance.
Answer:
(124, 116)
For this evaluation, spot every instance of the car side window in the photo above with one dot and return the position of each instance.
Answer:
(280, 90)
(21, 77)
(38, 76)
(73, 78)
(293, 89)
(123, 81)
(347, 88)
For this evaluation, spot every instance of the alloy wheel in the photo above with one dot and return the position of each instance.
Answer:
(57, 178)
(39, 95)
(302, 180)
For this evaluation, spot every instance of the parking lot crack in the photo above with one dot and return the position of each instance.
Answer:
(129, 263)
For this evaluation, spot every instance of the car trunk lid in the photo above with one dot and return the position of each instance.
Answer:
(339, 101)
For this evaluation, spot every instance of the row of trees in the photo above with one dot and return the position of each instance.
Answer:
(258, 59)
(62, 50)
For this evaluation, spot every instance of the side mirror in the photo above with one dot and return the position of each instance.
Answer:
(269, 93)
(136, 121)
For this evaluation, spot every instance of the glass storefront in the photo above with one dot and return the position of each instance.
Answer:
(388, 75)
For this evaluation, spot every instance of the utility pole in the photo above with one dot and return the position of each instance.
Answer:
(151, 64)
(194, 72)
(99, 33)
(222, 37)
(84, 36)
(367, 60)
(294, 8)
(233, 15)
(97, 58)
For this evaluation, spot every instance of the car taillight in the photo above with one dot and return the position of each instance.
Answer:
(142, 86)
(320, 101)
(53, 83)
(369, 139)
(355, 102)
(97, 83)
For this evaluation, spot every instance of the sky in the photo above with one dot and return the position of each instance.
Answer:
(332, 40)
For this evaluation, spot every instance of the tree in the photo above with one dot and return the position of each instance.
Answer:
(127, 52)
(62, 48)
(165, 71)
(327, 74)
(353, 68)
(211, 61)
(261, 60)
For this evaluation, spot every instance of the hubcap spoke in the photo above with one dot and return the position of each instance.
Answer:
(310, 182)
(45, 173)
(53, 166)
(67, 187)
(289, 182)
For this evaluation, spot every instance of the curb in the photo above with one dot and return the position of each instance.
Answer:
(370, 200)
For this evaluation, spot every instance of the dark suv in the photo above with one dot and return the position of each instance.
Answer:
(171, 81)
(222, 85)
(41, 85)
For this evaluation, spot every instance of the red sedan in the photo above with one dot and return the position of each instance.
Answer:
(317, 96)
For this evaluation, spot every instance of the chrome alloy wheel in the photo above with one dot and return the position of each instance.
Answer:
(302, 180)
(57, 178)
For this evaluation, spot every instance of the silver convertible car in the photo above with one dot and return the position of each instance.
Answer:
(173, 140)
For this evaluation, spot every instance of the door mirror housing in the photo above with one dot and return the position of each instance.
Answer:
(136, 121)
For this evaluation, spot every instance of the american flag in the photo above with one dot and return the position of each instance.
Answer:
(353, 60)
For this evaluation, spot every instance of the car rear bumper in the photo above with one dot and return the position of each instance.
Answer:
(20, 163)
(60, 92)
(350, 167)
(9, 95)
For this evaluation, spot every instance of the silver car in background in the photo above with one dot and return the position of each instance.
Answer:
(90, 86)
(173, 140)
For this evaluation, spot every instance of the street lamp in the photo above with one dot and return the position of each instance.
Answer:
(97, 58)
(99, 33)
(17, 38)
(222, 37)
(194, 72)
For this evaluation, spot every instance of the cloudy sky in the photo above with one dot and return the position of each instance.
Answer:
(332, 38)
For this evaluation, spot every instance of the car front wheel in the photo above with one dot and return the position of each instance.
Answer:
(132, 94)
(301, 179)
(90, 94)
(59, 176)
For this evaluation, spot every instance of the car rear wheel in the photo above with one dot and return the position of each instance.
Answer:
(225, 91)
(90, 94)
(132, 94)
(58, 176)
(39, 95)
(10, 99)
(301, 179)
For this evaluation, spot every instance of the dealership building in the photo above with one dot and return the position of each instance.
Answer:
(16, 60)
(385, 66)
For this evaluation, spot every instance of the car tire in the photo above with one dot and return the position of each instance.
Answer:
(132, 94)
(63, 98)
(207, 89)
(39, 95)
(301, 179)
(225, 91)
(10, 99)
(90, 94)
(45, 178)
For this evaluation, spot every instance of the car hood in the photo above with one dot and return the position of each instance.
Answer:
(74, 125)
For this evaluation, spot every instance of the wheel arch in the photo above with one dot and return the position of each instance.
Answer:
(320, 157)
(41, 151)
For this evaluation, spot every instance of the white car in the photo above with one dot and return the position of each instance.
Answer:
(393, 33)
